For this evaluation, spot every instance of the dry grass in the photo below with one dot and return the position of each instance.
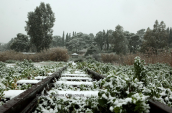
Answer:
(162, 57)
(110, 58)
(53, 54)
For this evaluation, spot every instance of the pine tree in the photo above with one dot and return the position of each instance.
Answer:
(120, 41)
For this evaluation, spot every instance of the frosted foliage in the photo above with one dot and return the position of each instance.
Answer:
(122, 83)
(11, 75)
(125, 88)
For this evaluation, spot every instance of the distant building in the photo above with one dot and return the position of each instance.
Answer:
(74, 55)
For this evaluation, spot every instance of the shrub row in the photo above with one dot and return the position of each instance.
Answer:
(128, 59)
(53, 54)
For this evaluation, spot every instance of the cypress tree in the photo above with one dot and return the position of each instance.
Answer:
(73, 34)
(63, 39)
(170, 36)
(67, 38)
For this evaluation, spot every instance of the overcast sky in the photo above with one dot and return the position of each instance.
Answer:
(87, 16)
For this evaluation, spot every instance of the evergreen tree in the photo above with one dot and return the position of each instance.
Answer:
(134, 43)
(120, 42)
(170, 37)
(107, 40)
(20, 43)
(67, 38)
(57, 41)
(99, 39)
(141, 33)
(156, 38)
(63, 39)
(73, 34)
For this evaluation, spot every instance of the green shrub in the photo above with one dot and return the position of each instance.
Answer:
(90, 52)
(139, 68)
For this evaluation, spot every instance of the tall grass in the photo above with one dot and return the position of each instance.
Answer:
(128, 59)
(53, 54)
(110, 58)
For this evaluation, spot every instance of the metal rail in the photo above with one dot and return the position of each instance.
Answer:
(155, 106)
(26, 101)
(94, 74)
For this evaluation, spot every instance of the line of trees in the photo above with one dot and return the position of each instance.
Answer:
(76, 42)
(40, 36)
(123, 42)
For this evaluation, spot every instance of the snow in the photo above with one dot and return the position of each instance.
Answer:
(77, 93)
(28, 81)
(79, 75)
(73, 63)
(163, 94)
(10, 65)
(49, 74)
(40, 77)
(78, 72)
(75, 78)
(104, 96)
(74, 83)
(128, 99)
(12, 93)
(120, 102)
(74, 54)
(44, 63)
(111, 108)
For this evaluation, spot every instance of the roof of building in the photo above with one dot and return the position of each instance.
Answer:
(75, 54)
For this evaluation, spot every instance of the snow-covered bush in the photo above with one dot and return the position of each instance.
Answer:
(139, 68)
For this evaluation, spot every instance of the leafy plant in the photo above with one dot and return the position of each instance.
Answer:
(139, 69)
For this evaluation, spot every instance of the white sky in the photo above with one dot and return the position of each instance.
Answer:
(87, 16)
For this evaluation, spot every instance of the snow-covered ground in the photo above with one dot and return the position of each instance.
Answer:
(28, 81)
(12, 93)
(37, 64)
(10, 65)
(20, 75)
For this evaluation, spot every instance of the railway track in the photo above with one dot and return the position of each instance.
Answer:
(27, 101)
